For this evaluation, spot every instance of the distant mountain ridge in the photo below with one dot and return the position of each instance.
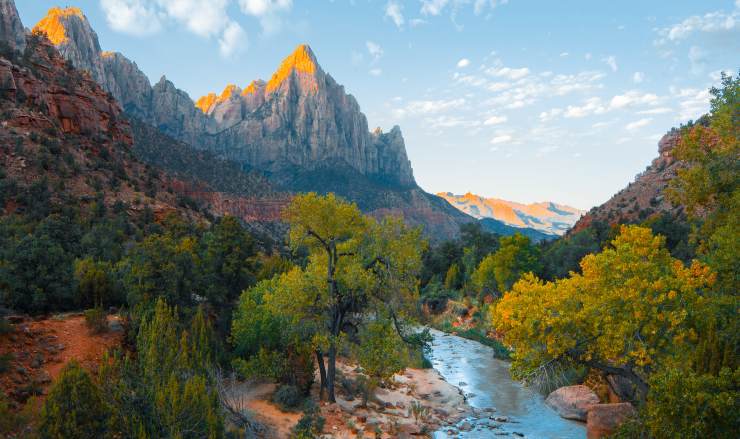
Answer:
(300, 128)
(546, 217)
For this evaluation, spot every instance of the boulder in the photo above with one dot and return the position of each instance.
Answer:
(572, 402)
(604, 419)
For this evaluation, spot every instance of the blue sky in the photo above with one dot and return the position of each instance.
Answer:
(521, 100)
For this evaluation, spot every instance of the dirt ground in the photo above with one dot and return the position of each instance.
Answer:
(38, 350)
(387, 413)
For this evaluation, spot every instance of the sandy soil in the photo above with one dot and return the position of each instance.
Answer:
(40, 349)
(388, 411)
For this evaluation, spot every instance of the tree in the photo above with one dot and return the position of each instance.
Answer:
(381, 352)
(94, 284)
(453, 278)
(354, 263)
(229, 260)
(498, 271)
(632, 309)
(74, 407)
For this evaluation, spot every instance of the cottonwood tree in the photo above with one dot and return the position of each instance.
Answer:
(633, 308)
(355, 266)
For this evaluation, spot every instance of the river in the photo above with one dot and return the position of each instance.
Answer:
(487, 384)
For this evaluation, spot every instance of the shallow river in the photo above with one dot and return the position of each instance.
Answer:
(487, 384)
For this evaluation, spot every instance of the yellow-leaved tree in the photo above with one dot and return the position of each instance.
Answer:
(632, 308)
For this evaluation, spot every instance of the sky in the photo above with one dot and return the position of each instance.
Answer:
(523, 100)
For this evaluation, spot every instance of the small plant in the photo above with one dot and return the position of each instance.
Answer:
(288, 398)
(96, 320)
(5, 327)
(310, 425)
(5, 360)
(418, 411)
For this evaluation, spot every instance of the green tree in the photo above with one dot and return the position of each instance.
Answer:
(453, 278)
(94, 284)
(498, 271)
(381, 352)
(74, 407)
(353, 262)
(632, 309)
(229, 260)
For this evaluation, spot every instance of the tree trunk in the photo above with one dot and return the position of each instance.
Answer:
(322, 373)
(332, 372)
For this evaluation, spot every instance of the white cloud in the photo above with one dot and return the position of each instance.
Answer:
(692, 102)
(638, 77)
(268, 12)
(376, 72)
(549, 115)
(433, 7)
(564, 54)
(611, 61)
(429, 107)
(394, 11)
(590, 106)
(205, 19)
(233, 40)
(508, 72)
(713, 22)
(503, 138)
(638, 124)
(659, 110)
(261, 8)
(135, 17)
(414, 22)
(632, 98)
(463, 63)
(374, 49)
(495, 120)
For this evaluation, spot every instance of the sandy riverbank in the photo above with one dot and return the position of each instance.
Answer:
(387, 413)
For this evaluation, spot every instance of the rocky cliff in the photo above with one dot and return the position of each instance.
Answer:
(302, 117)
(644, 196)
(547, 217)
(11, 27)
(300, 128)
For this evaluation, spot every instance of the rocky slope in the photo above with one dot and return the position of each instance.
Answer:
(300, 128)
(63, 138)
(644, 196)
(547, 217)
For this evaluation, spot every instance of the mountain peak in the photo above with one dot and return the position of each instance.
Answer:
(302, 60)
(53, 23)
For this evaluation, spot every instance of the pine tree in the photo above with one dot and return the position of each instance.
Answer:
(74, 408)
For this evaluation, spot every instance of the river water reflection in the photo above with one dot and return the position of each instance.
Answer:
(487, 383)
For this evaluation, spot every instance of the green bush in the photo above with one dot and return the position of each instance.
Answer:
(96, 320)
(74, 407)
(5, 360)
(288, 398)
(310, 425)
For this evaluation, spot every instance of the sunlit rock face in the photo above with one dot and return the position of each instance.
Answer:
(547, 217)
(70, 32)
(11, 27)
(302, 117)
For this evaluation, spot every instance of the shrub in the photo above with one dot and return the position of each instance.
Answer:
(74, 407)
(5, 360)
(288, 398)
(96, 320)
(310, 425)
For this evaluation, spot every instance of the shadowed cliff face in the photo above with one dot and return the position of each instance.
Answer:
(300, 128)
(11, 28)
